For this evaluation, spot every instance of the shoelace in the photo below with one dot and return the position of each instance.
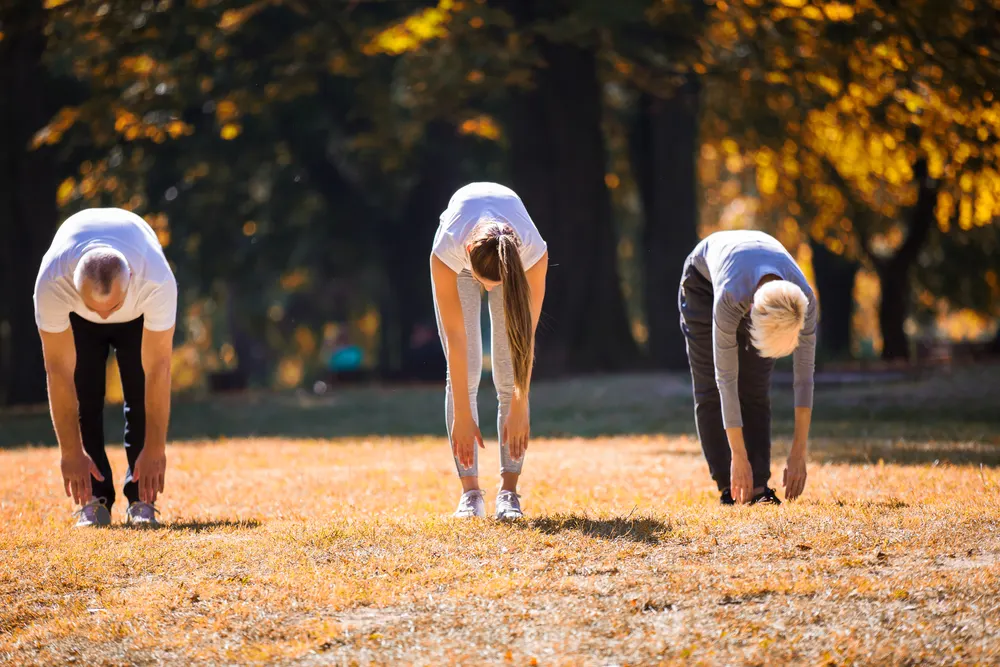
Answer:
(92, 505)
(139, 505)
(509, 496)
(468, 499)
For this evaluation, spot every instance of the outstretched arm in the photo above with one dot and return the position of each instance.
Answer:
(804, 369)
(150, 467)
(59, 351)
(536, 283)
(517, 428)
(464, 432)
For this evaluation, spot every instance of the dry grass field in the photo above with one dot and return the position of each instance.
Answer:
(294, 550)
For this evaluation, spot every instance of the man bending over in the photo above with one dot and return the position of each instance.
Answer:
(105, 283)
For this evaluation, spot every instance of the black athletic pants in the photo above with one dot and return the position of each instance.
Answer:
(93, 343)
(695, 301)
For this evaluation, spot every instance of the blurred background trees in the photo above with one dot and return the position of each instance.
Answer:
(294, 158)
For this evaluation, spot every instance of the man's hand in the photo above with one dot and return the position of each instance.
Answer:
(741, 478)
(148, 473)
(517, 428)
(77, 469)
(740, 472)
(150, 468)
(794, 477)
(464, 436)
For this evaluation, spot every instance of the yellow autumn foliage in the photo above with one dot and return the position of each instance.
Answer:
(413, 31)
(482, 126)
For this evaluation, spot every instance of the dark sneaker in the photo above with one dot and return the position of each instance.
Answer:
(766, 497)
(93, 514)
(726, 498)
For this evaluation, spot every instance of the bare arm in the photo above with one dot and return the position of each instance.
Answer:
(453, 326)
(463, 429)
(536, 283)
(800, 440)
(157, 350)
(150, 467)
(59, 351)
(794, 477)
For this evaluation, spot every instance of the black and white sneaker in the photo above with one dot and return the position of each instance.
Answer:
(766, 497)
(726, 498)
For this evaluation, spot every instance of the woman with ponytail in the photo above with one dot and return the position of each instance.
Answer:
(487, 240)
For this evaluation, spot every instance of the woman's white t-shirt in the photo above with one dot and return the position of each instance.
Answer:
(152, 289)
(479, 201)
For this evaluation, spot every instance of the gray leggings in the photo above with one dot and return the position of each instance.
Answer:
(470, 295)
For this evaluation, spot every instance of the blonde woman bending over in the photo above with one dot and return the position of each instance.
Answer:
(487, 240)
(744, 302)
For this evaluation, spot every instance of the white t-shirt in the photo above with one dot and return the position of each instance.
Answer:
(152, 290)
(477, 201)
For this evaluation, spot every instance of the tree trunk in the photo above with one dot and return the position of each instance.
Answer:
(835, 283)
(892, 313)
(558, 164)
(28, 213)
(894, 272)
(252, 363)
(407, 243)
(665, 147)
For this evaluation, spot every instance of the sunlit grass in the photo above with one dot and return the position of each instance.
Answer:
(338, 551)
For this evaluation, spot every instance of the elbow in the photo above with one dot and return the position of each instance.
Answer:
(58, 373)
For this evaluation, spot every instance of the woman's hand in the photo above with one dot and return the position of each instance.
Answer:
(464, 436)
(741, 478)
(517, 428)
(794, 477)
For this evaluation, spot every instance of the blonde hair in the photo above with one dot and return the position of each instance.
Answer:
(777, 317)
(494, 253)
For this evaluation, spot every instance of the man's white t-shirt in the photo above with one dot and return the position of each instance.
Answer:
(478, 201)
(152, 289)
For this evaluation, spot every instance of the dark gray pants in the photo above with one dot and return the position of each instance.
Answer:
(695, 300)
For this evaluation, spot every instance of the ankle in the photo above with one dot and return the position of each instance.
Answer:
(508, 481)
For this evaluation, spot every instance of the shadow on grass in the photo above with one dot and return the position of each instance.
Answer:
(646, 530)
(196, 526)
(205, 526)
(904, 452)
(858, 451)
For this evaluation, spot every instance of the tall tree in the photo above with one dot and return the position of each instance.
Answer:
(543, 63)
(871, 115)
(28, 214)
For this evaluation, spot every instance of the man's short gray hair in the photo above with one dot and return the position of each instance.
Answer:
(101, 267)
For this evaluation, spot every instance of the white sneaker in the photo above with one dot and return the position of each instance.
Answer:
(471, 504)
(142, 514)
(508, 506)
(95, 513)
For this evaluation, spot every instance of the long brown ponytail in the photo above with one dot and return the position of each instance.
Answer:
(495, 255)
